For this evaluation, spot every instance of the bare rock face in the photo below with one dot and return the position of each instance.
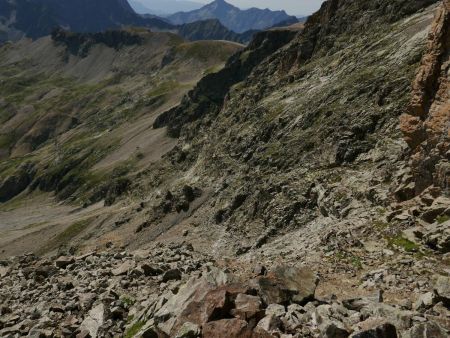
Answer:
(442, 288)
(94, 320)
(286, 284)
(63, 261)
(227, 328)
(382, 331)
(426, 124)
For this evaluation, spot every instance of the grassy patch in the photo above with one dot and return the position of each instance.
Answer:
(65, 236)
(356, 262)
(134, 329)
(380, 225)
(163, 89)
(403, 243)
(442, 219)
(7, 140)
(349, 258)
(206, 50)
(213, 69)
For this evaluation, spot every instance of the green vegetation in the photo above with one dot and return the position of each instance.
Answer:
(134, 329)
(206, 50)
(381, 211)
(349, 258)
(213, 69)
(163, 88)
(379, 224)
(69, 123)
(443, 219)
(7, 140)
(127, 300)
(244, 56)
(65, 236)
(403, 243)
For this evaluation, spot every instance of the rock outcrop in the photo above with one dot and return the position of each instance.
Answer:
(426, 125)
(207, 98)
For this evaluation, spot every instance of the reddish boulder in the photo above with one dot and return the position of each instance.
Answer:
(227, 328)
(215, 305)
(248, 307)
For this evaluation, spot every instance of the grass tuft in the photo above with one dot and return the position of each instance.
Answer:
(442, 219)
(134, 329)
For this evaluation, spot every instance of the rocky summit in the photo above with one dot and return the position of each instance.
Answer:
(294, 187)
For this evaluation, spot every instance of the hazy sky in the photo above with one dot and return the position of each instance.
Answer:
(296, 7)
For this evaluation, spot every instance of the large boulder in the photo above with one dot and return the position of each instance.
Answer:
(247, 307)
(123, 269)
(188, 330)
(286, 284)
(442, 288)
(172, 274)
(216, 304)
(194, 290)
(95, 319)
(385, 330)
(227, 328)
(64, 261)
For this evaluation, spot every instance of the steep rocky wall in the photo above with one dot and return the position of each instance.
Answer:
(206, 99)
(427, 122)
(309, 131)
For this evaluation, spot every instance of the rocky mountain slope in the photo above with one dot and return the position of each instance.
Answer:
(303, 193)
(212, 29)
(75, 101)
(234, 18)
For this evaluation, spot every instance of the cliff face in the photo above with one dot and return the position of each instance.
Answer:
(426, 125)
(206, 99)
(309, 131)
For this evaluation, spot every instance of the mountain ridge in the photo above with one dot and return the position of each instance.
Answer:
(38, 18)
(164, 7)
(234, 18)
(35, 19)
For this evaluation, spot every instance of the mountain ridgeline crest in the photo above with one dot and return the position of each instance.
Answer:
(234, 18)
(38, 18)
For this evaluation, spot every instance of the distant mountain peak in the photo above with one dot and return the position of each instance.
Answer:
(220, 5)
(234, 18)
